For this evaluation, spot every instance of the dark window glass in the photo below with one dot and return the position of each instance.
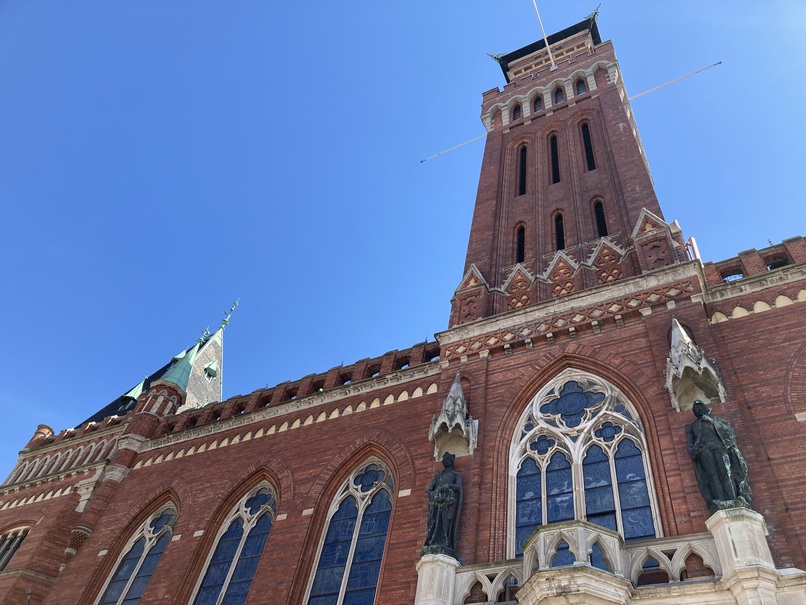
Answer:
(137, 566)
(9, 544)
(237, 554)
(601, 223)
(522, 170)
(636, 515)
(555, 159)
(597, 558)
(538, 103)
(581, 88)
(520, 244)
(564, 556)
(516, 112)
(559, 95)
(590, 162)
(559, 489)
(528, 503)
(559, 232)
(600, 506)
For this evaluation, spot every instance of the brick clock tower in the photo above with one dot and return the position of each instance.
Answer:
(565, 200)
(582, 333)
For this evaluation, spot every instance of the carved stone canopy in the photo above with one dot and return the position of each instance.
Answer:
(453, 429)
(690, 375)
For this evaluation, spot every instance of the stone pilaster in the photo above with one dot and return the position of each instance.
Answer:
(436, 580)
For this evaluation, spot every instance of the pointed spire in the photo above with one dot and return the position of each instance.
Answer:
(179, 372)
(453, 429)
(136, 391)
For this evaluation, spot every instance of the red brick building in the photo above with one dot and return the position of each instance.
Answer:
(582, 332)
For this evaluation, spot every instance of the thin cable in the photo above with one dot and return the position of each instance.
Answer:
(545, 39)
(693, 73)
(436, 155)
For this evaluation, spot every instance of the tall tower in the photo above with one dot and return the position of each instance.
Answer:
(565, 200)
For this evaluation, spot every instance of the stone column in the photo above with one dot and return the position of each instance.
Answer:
(747, 566)
(436, 580)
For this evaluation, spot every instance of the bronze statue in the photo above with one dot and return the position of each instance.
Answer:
(720, 468)
(444, 503)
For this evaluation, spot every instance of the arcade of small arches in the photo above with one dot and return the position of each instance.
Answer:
(62, 461)
(542, 99)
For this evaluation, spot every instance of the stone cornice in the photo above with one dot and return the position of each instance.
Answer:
(297, 405)
(756, 283)
(581, 300)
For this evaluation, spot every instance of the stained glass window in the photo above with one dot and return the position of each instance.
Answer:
(581, 432)
(232, 567)
(136, 567)
(349, 562)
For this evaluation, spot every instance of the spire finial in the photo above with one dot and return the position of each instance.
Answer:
(228, 314)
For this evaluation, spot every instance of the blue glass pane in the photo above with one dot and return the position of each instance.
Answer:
(528, 486)
(380, 503)
(153, 556)
(332, 561)
(542, 445)
(220, 563)
(595, 454)
(651, 563)
(607, 520)
(327, 580)
(371, 475)
(597, 558)
(164, 519)
(564, 556)
(521, 533)
(633, 494)
(596, 474)
(248, 560)
(259, 499)
(369, 549)
(363, 575)
(627, 448)
(207, 595)
(560, 508)
(558, 462)
(630, 468)
(572, 403)
(236, 593)
(334, 554)
(529, 512)
(330, 599)
(638, 523)
(599, 500)
(229, 541)
(360, 597)
(124, 571)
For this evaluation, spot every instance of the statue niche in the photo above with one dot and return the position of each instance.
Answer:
(444, 505)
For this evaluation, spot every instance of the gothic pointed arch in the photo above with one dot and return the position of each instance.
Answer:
(579, 452)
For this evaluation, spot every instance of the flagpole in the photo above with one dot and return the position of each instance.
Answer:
(545, 39)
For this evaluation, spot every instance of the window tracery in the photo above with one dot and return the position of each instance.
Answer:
(232, 566)
(579, 453)
(136, 566)
(350, 556)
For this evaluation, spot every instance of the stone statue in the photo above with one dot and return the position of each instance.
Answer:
(720, 468)
(444, 504)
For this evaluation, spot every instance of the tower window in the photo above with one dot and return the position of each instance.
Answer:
(538, 103)
(601, 224)
(516, 112)
(520, 244)
(559, 231)
(522, 170)
(590, 162)
(580, 87)
(555, 159)
(559, 96)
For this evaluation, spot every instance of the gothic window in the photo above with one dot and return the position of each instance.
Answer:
(601, 223)
(554, 152)
(516, 113)
(579, 453)
(587, 145)
(537, 104)
(522, 170)
(350, 556)
(559, 232)
(239, 546)
(136, 566)
(580, 87)
(9, 543)
(520, 244)
(559, 95)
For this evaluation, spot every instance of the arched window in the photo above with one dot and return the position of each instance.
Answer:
(520, 244)
(580, 87)
(554, 154)
(587, 145)
(522, 170)
(559, 232)
(601, 223)
(559, 95)
(9, 543)
(136, 566)
(537, 104)
(349, 558)
(579, 453)
(239, 546)
(516, 113)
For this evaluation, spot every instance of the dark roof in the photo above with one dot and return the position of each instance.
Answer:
(589, 23)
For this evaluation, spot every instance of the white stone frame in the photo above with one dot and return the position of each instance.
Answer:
(151, 540)
(363, 500)
(239, 511)
(575, 450)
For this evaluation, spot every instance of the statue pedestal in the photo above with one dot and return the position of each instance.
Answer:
(436, 580)
(747, 566)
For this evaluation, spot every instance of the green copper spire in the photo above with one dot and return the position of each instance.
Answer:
(179, 372)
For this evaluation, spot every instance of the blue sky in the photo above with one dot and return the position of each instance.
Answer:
(159, 160)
